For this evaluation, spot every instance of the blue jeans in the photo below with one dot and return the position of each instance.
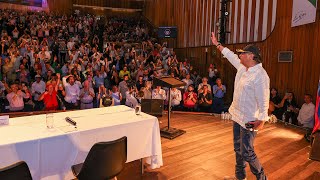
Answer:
(243, 147)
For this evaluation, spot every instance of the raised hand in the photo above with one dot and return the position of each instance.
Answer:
(214, 39)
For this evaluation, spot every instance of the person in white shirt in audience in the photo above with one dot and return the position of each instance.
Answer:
(131, 100)
(37, 88)
(15, 98)
(204, 82)
(72, 92)
(86, 96)
(159, 93)
(306, 115)
(175, 96)
(116, 95)
(147, 90)
(188, 81)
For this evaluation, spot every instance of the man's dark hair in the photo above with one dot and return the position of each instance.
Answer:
(309, 95)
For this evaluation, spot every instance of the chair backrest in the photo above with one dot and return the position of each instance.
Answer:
(17, 171)
(105, 160)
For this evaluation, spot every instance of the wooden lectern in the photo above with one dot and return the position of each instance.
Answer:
(169, 82)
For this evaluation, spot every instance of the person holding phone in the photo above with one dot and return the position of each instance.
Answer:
(249, 107)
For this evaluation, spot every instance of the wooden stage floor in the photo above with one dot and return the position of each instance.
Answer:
(206, 151)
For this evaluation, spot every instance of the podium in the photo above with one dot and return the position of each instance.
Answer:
(169, 82)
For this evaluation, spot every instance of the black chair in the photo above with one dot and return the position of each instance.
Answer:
(104, 161)
(17, 171)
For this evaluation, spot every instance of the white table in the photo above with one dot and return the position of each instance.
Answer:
(50, 153)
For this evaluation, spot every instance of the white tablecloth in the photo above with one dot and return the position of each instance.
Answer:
(50, 153)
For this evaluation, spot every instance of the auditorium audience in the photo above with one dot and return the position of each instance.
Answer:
(102, 62)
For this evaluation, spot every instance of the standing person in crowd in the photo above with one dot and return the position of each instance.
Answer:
(15, 97)
(204, 82)
(140, 83)
(147, 90)
(37, 88)
(131, 100)
(175, 95)
(188, 82)
(72, 91)
(306, 115)
(159, 93)
(86, 96)
(116, 95)
(218, 90)
(205, 99)
(123, 88)
(275, 100)
(249, 107)
(49, 97)
(289, 108)
(190, 99)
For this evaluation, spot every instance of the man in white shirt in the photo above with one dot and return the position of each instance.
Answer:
(86, 96)
(249, 107)
(306, 115)
(159, 93)
(37, 88)
(175, 95)
(188, 82)
(72, 92)
(131, 100)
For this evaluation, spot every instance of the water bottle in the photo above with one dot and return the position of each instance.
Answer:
(283, 117)
(222, 115)
(290, 120)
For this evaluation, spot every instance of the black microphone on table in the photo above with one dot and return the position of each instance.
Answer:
(72, 122)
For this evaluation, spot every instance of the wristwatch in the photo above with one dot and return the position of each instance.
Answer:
(219, 44)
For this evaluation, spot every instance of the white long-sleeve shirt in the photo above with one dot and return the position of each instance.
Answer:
(37, 87)
(251, 91)
(175, 97)
(72, 91)
(159, 95)
(306, 115)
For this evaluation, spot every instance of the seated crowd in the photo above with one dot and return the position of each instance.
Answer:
(52, 62)
(58, 62)
(287, 110)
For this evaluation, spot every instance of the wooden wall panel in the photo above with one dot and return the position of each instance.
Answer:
(203, 17)
(301, 76)
(132, 4)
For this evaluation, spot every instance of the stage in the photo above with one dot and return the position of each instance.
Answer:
(205, 151)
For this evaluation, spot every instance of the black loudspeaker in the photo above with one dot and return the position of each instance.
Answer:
(167, 32)
(315, 147)
(152, 106)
